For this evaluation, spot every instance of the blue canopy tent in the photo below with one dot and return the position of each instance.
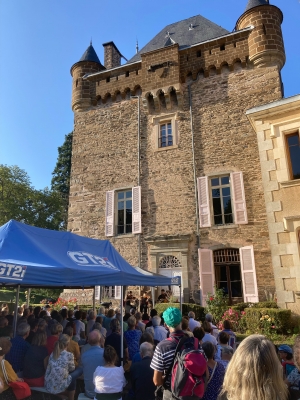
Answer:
(36, 257)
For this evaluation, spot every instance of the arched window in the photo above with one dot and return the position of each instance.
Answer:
(169, 262)
(173, 98)
(150, 101)
(162, 100)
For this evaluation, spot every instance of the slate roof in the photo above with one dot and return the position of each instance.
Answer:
(90, 55)
(255, 3)
(179, 32)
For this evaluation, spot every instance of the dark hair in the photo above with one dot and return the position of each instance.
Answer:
(39, 338)
(68, 331)
(30, 318)
(227, 324)
(223, 337)
(115, 325)
(146, 337)
(153, 312)
(145, 317)
(42, 313)
(33, 323)
(83, 315)
(110, 355)
(209, 349)
(36, 311)
(289, 356)
(126, 316)
(99, 319)
(206, 326)
(184, 324)
(199, 333)
(5, 345)
(78, 315)
(64, 313)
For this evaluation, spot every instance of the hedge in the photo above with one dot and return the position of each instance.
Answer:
(186, 307)
(282, 318)
(262, 304)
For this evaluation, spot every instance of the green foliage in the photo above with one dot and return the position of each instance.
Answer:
(186, 307)
(20, 201)
(217, 304)
(60, 182)
(261, 304)
(236, 318)
(278, 321)
(43, 293)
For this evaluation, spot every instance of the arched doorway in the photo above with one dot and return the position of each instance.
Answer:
(228, 273)
(170, 266)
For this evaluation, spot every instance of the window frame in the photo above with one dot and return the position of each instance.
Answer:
(210, 188)
(166, 125)
(157, 122)
(287, 135)
(116, 227)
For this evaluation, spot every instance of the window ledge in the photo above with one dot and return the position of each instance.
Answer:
(228, 226)
(294, 182)
(166, 148)
(128, 235)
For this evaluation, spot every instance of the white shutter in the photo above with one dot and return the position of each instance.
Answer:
(207, 273)
(239, 201)
(109, 213)
(248, 274)
(117, 292)
(136, 210)
(97, 292)
(203, 201)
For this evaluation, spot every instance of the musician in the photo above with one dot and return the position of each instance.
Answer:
(163, 295)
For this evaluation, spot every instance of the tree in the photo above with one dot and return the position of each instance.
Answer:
(60, 182)
(20, 201)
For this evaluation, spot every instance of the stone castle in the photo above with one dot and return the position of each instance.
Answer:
(165, 162)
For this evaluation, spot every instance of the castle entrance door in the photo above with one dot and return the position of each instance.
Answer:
(170, 266)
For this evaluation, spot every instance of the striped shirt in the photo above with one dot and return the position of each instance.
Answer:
(164, 353)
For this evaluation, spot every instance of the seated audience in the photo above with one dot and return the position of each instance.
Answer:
(227, 354)
(109, 379)
(90, 360)
(215, 330)
(216, 373)
(223, 339)
(35, 361)
(199, 334)
(119, 318)
(145, 338)
(19, 348)
(114, 340)
(108, 318)
(208, 336)
(153, 312)
(100, 328)
(132, 337)
(145, 318)
(79, 325)
(61, 374)
(139, 324)
(254, 372)
(7, 392)
(141, 374)
(91, 320)
(5, 329)
(160, 333)
(55, 330)
(185, 327)
(73, 346)
(227, 329)
(33, 328)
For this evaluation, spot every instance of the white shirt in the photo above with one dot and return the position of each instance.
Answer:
(210, 338)
(109, 380)
(193, 324)
(160, 333)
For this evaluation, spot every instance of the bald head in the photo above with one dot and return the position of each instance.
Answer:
(94, 338)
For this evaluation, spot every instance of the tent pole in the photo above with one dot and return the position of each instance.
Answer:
(94, 300)
(121, 323)
(152, 294)
(180, 296)
(16, 310)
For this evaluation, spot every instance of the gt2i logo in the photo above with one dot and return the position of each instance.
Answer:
(12, 271)
(175, 280)
(90, 260)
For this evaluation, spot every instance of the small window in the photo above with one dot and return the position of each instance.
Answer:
(199, 53)
(165, 138)
(222, 47)
(124, 212)
(293, 146)
(127, 74)
(108, 79)
(221, 199)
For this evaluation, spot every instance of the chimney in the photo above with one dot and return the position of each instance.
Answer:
(112, 56)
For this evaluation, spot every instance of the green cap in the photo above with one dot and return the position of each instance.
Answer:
(172, 316)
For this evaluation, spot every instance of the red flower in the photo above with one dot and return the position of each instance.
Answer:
(211, 298)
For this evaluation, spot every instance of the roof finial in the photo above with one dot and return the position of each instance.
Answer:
(91, 43)
(137, 46)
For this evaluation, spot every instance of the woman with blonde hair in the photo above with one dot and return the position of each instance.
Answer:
(254, 372)
(61, 375)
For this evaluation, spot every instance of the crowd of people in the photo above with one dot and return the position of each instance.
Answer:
(57, 349)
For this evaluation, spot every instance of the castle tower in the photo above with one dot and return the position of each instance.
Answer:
(266, 46)
(84, 91)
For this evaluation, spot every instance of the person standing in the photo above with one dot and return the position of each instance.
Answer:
(192, 322)
(142, 374)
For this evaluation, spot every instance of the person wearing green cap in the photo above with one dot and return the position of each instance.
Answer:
(165, 350)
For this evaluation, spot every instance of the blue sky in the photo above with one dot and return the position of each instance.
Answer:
(40, 40)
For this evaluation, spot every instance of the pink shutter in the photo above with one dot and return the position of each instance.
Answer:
(207, 273)
(136, 210)
(109, 213)
(117, 292)
(248, 274)
(239, 201)
(203, 201)
(97, 292)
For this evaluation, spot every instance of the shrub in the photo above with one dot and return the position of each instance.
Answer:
(186, 307)
(217, 304)
(268, 320)
(240, 306)
(236, 318)
(265, 304)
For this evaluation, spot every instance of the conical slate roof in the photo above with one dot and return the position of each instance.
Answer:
(90, 55)
(255, 3)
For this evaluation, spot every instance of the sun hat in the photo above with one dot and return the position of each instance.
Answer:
(285, 348)
(172, 317)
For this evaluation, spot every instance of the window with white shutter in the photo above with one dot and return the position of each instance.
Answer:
(239, 201)
(124, 200)
(109, 213)
(118, 292)
(203, 201)
(207, 274)
(248, 274)
(97, 292)
(136, 210)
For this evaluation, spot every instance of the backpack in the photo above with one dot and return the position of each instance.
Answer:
(188, 371)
